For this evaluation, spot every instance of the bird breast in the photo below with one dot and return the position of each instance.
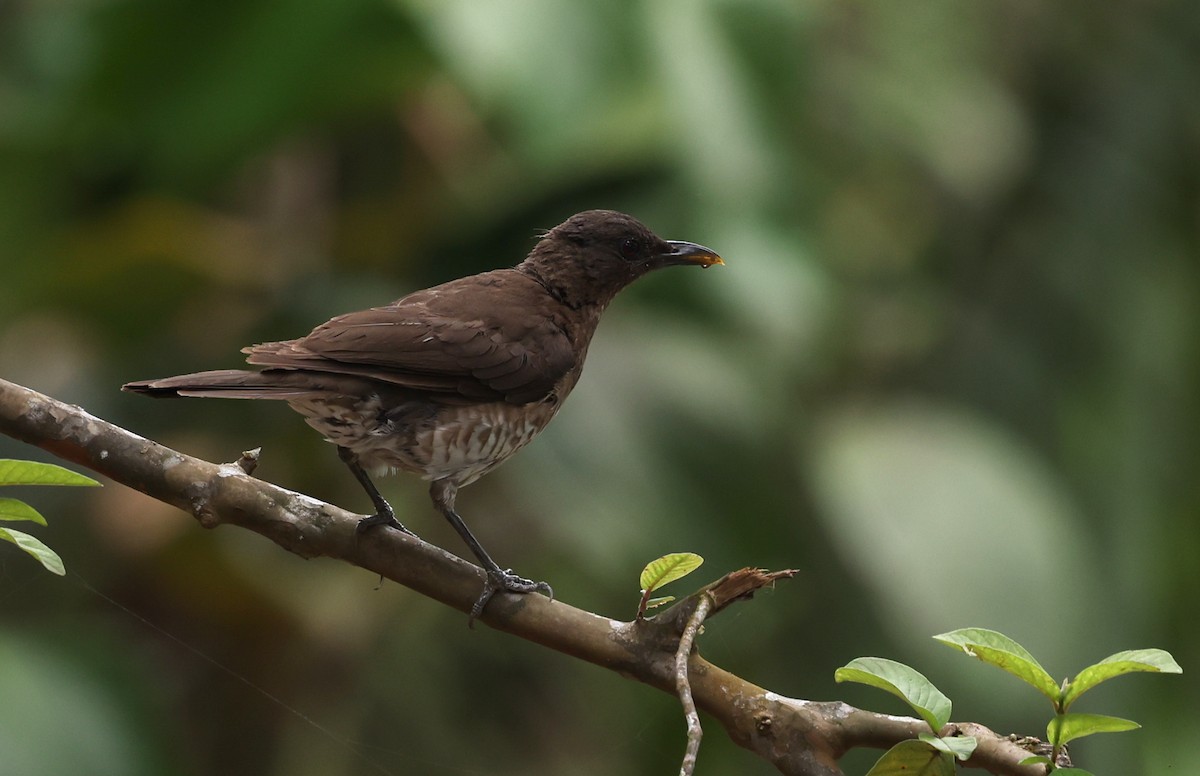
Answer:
(468, 442)
(460, 443)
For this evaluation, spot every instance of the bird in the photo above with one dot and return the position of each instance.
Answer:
(451, 381)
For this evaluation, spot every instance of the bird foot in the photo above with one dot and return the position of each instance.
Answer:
(505, 581)
(382, 518)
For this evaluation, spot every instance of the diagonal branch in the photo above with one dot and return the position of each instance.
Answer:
(801, 738)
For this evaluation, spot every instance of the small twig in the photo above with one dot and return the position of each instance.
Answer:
(683, 685)
(249, 460)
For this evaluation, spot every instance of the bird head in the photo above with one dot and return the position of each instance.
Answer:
(588, 258)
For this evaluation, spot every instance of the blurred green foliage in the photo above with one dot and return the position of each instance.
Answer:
(958, 332)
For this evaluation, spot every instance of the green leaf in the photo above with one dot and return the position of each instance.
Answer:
(46, 556)
(14, 472)
(669, 568)
(960, 747)
(999, 650)
(12, 509)
(1149, 660)
(904, 682)
(1072, 772)
(913, 758)
(1037, 759)
(664, 599)
(1065, 728)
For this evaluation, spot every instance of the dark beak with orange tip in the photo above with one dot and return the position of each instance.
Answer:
(689, 253)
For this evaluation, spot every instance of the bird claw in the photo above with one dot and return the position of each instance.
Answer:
(505, 581)
(382, 518)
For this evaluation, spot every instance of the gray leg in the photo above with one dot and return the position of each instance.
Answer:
(499, 580)
(383, 510)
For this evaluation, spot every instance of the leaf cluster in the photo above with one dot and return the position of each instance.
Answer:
(13, 472)
(934, 755)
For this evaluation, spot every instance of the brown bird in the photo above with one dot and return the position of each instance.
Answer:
(449, 382)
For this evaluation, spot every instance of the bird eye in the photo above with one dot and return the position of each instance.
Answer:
(631, 247)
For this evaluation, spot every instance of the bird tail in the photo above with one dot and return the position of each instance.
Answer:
(235, 384)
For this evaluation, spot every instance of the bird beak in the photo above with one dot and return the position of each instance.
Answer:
(690, 253)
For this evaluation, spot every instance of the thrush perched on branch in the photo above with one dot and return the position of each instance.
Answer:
(451, 381)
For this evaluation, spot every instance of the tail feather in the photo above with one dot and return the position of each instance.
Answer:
(236, 384)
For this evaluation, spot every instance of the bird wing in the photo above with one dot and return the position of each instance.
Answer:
(484, 338)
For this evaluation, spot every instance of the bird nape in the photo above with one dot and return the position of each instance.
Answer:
(451, 381)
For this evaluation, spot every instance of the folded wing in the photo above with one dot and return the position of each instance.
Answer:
(455, 342)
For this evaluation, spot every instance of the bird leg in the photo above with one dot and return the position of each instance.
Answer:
(498, 580)
(383, 510)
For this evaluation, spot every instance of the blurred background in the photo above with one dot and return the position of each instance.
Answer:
(951, 371)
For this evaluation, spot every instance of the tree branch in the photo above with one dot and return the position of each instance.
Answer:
(801, 738)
